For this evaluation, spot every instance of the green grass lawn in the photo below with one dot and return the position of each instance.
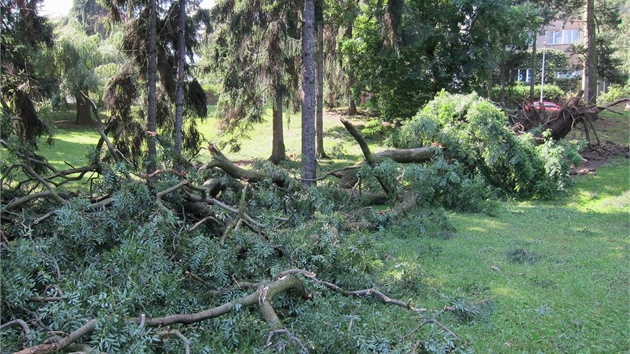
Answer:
(568, 289)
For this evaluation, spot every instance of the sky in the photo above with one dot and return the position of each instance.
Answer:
(55, 8)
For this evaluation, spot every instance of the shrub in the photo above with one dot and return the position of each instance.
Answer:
(614, 93)
(519, 93)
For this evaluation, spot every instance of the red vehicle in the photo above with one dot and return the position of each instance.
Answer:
(548, 106)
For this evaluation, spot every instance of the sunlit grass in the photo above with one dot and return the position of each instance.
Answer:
(573, 298)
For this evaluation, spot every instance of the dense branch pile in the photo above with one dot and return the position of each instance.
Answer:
(186, 247)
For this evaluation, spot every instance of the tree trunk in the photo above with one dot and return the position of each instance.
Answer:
(83, 110)
(179, 95)
(352, 107)
(320, 91)
(533, 69)
(590, 66)
(308, 90)
(151, 99)
(278, 153)
(502, 83)
(489, 84)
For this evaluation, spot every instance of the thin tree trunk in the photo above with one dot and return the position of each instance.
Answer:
(179, 96)
(352, 107)
(151, 99)
(489, 84)
(320, 91)
(502, 83)
(590, 67)
(308, 89)
(277, 146)
(533, 69)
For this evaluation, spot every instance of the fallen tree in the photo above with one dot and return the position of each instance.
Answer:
(575, 113)
(194, 245)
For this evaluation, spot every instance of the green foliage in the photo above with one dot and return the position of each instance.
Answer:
(519, 94)
(614, 93)
(474, 133)
(373, 127)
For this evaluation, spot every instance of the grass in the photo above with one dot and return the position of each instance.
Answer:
(572, 297)
(555, 272)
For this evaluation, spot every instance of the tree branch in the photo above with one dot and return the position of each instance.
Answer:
(18, 322)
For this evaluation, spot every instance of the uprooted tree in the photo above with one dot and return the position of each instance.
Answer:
(132, 262)
(574, 113)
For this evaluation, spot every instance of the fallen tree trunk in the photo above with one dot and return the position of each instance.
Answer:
(220, 161)
(417, 155)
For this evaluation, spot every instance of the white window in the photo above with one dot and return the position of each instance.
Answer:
(553, 37)
(524, 75)
(573, 35)
(562, 36)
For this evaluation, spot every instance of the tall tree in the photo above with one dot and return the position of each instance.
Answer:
(590, 64)
(255, 53)
(78, 57)
(152, 87)
(319, 63)
(22, 33)
(308, 93)
(181, 67)
(91, 15)
(138, 17)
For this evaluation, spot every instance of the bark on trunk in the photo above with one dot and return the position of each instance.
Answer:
(320, 92)
(83, 110)
(590, 67)
(278, 153)
(352, 106)
(308, 88)
(533, 69)
(179, 95)
(151, 99)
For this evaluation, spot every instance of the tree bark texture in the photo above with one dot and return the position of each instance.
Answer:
(590, 67)
(83, 110)
(179, 95)
(320, 91)
(278, 152)
(152, 90)
(308, 94)
(352, 107)
(533, 69)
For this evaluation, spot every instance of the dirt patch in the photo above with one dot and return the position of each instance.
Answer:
(595, 156)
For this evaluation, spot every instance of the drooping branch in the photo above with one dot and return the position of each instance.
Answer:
(365, 292)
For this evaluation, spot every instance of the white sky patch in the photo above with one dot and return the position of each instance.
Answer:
(57, 8)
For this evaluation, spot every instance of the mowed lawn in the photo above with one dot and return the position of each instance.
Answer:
(554, 275)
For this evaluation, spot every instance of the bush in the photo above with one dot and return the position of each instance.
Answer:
(614, 93)
(519, 93)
